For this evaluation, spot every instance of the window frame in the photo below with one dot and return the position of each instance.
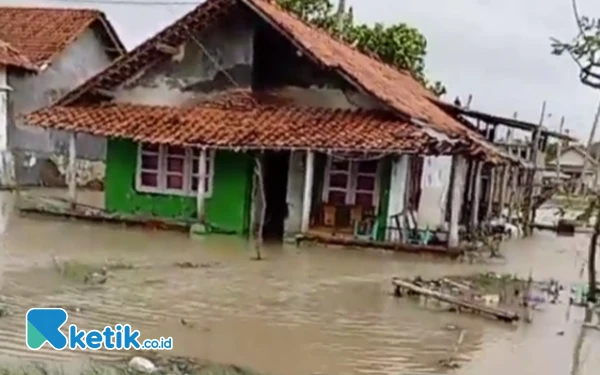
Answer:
(162, 173)
(351, 186)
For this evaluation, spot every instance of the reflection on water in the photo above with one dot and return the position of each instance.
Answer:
(302, 311)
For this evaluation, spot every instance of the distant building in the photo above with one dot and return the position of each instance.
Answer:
(45, 53)
(572, 160)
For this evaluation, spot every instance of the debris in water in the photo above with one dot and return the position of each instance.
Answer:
(115, 265)
(449, 363)
(141, 364)
(471, 299)
(186, 323)
(187, 265)
(96, 277)
(4, 312)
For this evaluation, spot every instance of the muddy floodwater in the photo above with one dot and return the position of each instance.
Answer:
(302, 311)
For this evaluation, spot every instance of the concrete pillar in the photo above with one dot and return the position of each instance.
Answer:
(308, 187)
(459, 173)
(4, 89)
(201, 188)
(491, 193)
(504, 186)
(6, 159)
(476, 196)
(72, 169)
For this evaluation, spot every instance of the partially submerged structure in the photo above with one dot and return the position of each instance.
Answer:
(44, 54)
(513, 190)
(245, 117)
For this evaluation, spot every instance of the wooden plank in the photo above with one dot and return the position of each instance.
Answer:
(393, 246)
(504, 315)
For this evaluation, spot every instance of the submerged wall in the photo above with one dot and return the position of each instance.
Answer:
(228, 209)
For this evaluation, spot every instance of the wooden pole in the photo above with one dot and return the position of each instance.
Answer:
(72, 169)
(308, 186)
(591, 298)
(559, 148)
(491, 193)
(503, 187)
(504, 315)
(201, 188)
(528, 214)
(476, 196)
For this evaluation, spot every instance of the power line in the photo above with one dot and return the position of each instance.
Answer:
(132, 2)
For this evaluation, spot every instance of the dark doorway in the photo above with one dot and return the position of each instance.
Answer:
(276, 165)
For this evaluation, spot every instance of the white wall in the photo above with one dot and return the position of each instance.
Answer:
(295, 191)
(5, 160)
(399, 176)
(434, 184)
(570, 158)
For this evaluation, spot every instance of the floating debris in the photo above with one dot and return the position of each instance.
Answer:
(460, 301)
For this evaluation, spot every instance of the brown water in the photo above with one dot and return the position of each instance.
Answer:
(302, 311)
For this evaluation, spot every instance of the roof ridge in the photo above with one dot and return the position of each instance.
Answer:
(14, 57)
(41, 33)
(52, 8)
(337, 38)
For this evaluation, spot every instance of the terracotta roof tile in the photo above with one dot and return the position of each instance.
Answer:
(40, 33)
(398, 89)
(247, 124)
(11, 57)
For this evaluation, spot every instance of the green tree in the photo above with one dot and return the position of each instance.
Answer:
(399, 45)
(583, 47)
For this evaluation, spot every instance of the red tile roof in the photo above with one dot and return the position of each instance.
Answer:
(9, 56)
(38, 34)
(398, 89)
(249, 123)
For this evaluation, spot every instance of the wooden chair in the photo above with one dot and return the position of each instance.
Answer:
(407, 227)
(364, 223)
(329, 216)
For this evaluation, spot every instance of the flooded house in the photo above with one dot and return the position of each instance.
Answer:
(44, 54)
(243, 117)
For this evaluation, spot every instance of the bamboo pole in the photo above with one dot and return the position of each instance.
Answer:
(528, 209)
(588, 149)
(559, 147)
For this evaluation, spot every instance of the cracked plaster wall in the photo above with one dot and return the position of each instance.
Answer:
(83, 58)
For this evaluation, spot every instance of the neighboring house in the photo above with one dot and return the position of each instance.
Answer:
(240, 88)
(571, 161)
(44, 54)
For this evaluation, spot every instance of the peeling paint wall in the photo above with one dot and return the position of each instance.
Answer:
(434, 194)
(327, 97)
(83, 58)
(295, 191)
(210, 62)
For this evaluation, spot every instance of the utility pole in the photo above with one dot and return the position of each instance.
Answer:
(589, 148)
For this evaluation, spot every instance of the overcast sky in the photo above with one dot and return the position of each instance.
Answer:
(496, 50)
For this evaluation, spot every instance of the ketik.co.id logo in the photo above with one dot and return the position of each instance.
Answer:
(43, 325)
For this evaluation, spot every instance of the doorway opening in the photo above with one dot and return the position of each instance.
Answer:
(275, 178)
